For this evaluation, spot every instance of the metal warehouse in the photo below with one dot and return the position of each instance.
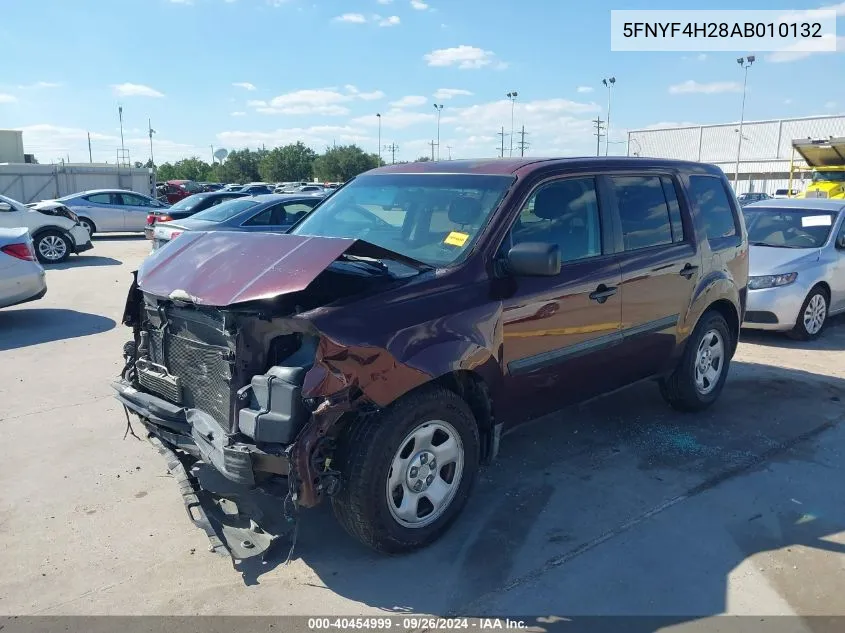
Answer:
(764, 155)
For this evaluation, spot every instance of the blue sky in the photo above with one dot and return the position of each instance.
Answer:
(242, 73)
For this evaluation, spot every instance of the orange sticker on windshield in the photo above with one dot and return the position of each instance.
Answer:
(456, 239)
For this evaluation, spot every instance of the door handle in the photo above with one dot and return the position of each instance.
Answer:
(602, 293)
(688, 271)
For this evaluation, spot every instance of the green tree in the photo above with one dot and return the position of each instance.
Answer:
(422, 159)
(291, 162)
(166, 172)
(343, 162)
(241, 166)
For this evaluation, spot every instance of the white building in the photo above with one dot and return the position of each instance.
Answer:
(765, 154)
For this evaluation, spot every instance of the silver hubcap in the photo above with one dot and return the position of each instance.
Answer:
(708, 362)
(87, 226)
(815, 313)
(425, 474)
(52, 247)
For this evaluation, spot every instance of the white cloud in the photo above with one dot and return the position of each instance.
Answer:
(384, 1)
(135, 90)
(256, 103)
(409, 102)
(448, 93)
(789, 54)
(394, 119)
(245, 85)
(715, 87)
(371, 96)
(585, 89)
(317, 137)
(419, 5)
(660, 125)
(6, 98)
(463, 56)
(40, 84)
(238, 114)
(393, 20)
(352, 18)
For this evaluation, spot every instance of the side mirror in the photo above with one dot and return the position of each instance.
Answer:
(840, 240)
(534, 259)
(5, 206)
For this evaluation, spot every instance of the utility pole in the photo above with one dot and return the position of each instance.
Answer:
(122, 146)
(212, 154)
(432, 144)
(392, 149)
(502, 146)
(439, 108)
(609, 83)
(449, 147)
(512, 96)
(90, 157)
(599, 135)
(152, 131)
(522, 144)
(378, 114)
(745, 64)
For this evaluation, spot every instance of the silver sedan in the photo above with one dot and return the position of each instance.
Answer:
(112, 210)
(21, 276)
(797, 265)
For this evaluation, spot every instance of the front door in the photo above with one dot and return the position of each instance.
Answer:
(837, 279)
(105, 210)
(135, 211)
(561, 333)
(659, 267)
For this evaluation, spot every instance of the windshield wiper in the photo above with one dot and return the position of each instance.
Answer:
(373, 263)
(770, 245)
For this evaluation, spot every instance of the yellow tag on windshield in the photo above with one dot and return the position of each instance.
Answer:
(456, 239)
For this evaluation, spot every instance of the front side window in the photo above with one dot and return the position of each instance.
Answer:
(100, 198)
(565, 213)
(711, 200)
(788, 228)
(271, 216)
(433, 218)
(643, 211)
(135, 201)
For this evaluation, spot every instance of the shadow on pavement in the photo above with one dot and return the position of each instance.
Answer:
(21, 328)
(81, 261)
(117, 237)
(832, 337)
(586, 479)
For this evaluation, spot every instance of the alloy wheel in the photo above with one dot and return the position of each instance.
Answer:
(815, 314)
(52, 247)
(709, 361)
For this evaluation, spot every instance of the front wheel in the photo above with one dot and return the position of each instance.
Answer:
(700, 375)
(811, 317)
(407, 472)
(89, 226)
(52, 247)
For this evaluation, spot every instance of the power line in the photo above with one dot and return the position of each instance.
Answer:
(522, 145)
(392, 148)
(598, 134)
(502, 145)
(433, 144)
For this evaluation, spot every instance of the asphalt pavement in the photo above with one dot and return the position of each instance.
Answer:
(617, 507)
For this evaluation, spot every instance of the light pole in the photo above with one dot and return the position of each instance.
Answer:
(378, 115)
(439, 108)
(512, 96)
(152, 131)
(609, 82)
(122, 146)
(745, 64)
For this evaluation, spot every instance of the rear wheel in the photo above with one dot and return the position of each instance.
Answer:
(700, 375)
(407, 472)
(89, 226)
(812, 316)
(52, 247)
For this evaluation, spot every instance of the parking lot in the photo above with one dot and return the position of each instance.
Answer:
(620, 506)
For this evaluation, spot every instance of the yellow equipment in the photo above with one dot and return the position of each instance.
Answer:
(827, 159)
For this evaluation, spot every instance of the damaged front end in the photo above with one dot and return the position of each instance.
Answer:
(230, 376)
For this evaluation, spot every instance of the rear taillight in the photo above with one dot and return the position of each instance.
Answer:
(175, 234)
(21, 251)
(164, 218)
(151, 218)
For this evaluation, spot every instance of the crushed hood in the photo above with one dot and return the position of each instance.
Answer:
(221, 268)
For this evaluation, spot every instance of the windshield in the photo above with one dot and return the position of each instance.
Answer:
(225, 210)
(433, 218)
(788, 228)
(831, 176)
(186, 204)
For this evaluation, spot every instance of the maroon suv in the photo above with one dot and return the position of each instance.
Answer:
(375, 353)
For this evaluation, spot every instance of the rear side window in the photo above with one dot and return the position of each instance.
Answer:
(100, 198)
(671, 194)
(643, 211)
(711, 201)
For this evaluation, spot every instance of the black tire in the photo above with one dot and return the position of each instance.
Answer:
(800, 331)
(51, 247)
(680, 389)
(89, 225)
(365, 453)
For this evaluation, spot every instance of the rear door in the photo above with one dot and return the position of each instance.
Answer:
(561, 332)
(659, 266)
(135, 211)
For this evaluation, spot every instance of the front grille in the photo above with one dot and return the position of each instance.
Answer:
(196, 354)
